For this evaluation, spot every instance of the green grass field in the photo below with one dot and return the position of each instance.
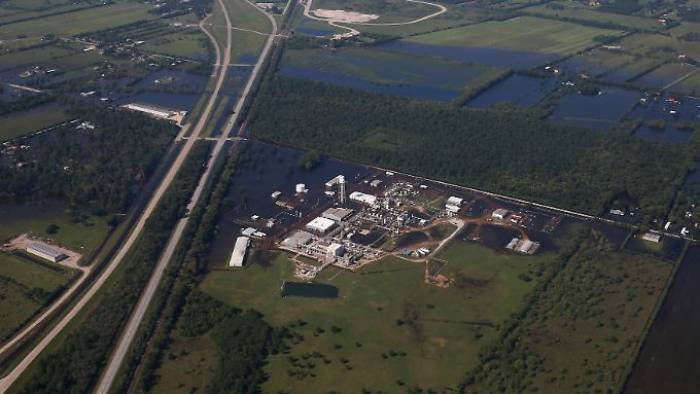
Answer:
(660, 46)
(576, 11)
(191, 43)
(22, 123)
(24, 289)
(79, 22)
(525, 34)
(389, 320)
(84, 237)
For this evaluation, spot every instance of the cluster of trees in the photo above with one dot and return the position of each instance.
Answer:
(101, 169)
(510, 151)
(172, 8)
(24, 103)
(75, 365)
(597, 302)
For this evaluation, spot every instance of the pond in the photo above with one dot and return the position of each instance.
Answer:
(597, 112)
(668, 360)
(309, 290)
(518, 89)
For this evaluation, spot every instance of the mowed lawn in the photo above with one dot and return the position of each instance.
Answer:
(73, 23)
(388, 330)
(523, 34)
(82, 237)
(24, 289)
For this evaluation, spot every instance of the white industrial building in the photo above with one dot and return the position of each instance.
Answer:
(334, 181)
(451, 208)
(363, 198)
(45, 252)
(500, 213)
(652, 236)
(524, 246)
(239, 251)
(320, 225)
(297, 239)
(335, 250)
(454, 201)
(157, 112)
(337, 214)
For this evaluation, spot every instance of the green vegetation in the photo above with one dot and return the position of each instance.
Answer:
(76, 231)
(25, 287)
(497, 151)
(22, 123)
(581, 332)
(72, 366)
(78, 22)
(101, 169)
(386, 317)
(575, 11)
(524, 34)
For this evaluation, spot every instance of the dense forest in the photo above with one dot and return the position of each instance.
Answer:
(101, 169)
(508, 151)
(75, 365)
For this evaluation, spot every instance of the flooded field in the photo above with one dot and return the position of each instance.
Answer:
(262, 170)
(665, 366)
(666, 119)
(598, 112)
(377, 71)
(489, 56)
(518, 89)
(669, 248)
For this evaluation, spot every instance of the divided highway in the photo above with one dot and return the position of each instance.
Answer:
(221, 68)
(139, 312)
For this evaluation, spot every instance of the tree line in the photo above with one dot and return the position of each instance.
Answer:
(510, 151)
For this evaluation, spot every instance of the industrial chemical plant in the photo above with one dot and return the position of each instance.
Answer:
(351, 224)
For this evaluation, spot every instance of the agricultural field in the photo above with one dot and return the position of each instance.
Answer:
(385, 317)
(571, 10)
(597, 308)
(524, 34)
(191, 44)
(659, 46)
(675, 77)
(73, 23)
(19, 124)
(25, 287)
(420, 77)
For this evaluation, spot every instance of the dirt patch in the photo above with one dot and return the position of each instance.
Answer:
(345, 16)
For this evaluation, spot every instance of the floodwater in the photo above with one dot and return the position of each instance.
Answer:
(497, 237)
(518, 89)
(411, 238)
(263, 169)
(312, 290)
(395, 87)
(518, 60)
(668, 361)
(597, 112)
(672, 113)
